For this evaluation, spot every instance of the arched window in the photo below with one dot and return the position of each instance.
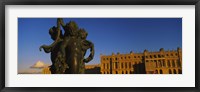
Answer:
(156, 72)
(161, 72)
(170, 71)
(174, 71)
(179, 71)
(122, 72)
(116, 72)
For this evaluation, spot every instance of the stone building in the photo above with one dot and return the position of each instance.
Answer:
(92, 69)
(46, 70)
(160, 62)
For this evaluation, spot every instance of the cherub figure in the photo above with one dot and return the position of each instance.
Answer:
(85, 44)
(58, 62)
(68, 49)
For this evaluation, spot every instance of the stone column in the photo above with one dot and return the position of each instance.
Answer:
(166, 63)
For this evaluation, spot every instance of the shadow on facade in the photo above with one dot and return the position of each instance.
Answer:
(95, 70)
(139, 68)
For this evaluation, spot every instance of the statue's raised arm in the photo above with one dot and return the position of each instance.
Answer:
(89, 45)
(56, 35)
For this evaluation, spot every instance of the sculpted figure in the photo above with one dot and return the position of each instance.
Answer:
(68, 50)
(58, 62)
(85, 44)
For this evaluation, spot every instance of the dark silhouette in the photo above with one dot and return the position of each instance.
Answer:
(68, 50)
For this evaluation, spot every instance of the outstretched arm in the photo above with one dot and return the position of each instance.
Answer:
(46, 48)
(88, 45)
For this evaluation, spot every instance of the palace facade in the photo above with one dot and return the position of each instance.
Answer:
(160, 62)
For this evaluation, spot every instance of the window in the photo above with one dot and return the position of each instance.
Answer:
(178, 63)
(160, 64)
(168, 63)
(173, 63)
(174, 71)
(116, 65)
(161, 72)
(163, 63)
(156, 72)
(156, 63)
(170, 71)
(179, 71)
(115, 58)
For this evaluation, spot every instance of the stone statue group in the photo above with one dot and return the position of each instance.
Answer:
(68, 49)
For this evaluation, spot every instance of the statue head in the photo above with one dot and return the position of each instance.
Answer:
(82, 33)
(71, 29)
(53, 32)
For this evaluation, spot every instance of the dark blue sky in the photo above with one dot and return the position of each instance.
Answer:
(108, 35)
